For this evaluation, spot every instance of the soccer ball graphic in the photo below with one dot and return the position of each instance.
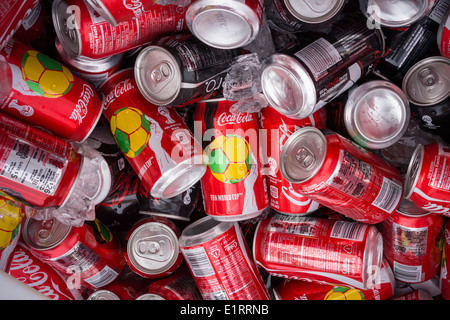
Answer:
(131, 130)
(343, 293)
(45, 76)
(10, 219)
(230, 158)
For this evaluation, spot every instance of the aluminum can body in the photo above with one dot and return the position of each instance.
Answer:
(234, 187)
(340, 175)
(277, 128)
(412, 245)
(297, 258)
(157, 144)
(90, 253)
(443, 36)
(45, 93)
(216, 252)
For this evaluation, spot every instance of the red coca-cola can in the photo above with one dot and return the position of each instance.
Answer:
(128, 289)
(83, 32)
(443, 35)
(41, 277)
(11, 16)
(444, 277)
(234, 187)
(156, 142)
(225, 24)
(277, 128)
(178, 286)
(89, 254)
(152, 249)
(220, 261)
(338, 174)
(290, 289)
(44, 93)
(426, 182)
(317, 249)
(412, 243)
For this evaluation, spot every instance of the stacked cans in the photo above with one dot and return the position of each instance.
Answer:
(129, 172)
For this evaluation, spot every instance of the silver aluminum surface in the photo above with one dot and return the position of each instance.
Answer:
(44, 234)
(67, 28)
(396, 13)
(314, 12)
(413, 172)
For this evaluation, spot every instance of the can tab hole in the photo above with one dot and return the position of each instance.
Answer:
(46, 230)
(305, 157)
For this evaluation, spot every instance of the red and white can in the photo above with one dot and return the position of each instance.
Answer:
(152, 249)
(234, 187)
(225, 24)
(220, 261)
(156, 142)
(444, 277)
(338, 174)
(412, 244)
(443, 35)
(41, 277)
(82, 32)
(12, 14)
(178, 286)
(88, 255)
(427, 181)
(305, 290)
(277, 128)
(128, 289)
(44, 93)
(317, 249)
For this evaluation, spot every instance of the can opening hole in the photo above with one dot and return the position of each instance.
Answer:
(305, 157)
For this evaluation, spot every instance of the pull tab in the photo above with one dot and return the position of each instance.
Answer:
(155, 248)
(428, 77)
(305, 157)
(160, 75)
(46, 230)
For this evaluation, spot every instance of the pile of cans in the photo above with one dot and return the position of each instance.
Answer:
(126, 173)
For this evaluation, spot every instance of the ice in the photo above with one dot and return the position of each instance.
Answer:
(263, 44)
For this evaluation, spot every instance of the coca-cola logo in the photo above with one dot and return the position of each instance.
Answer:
(132, 4)
(234, 118)
(81, 108)
(120, 88)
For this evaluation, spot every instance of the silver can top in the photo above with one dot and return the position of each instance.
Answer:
(67, 28)
(409, 208)
(44, 234)
(288, 87)
(224, 24)
(153, 248)
(314, 11)
(150, 296)
(303, 154)
(158, 75)
(396, 13)
(413, 172)
(428, 81)
(101, 9)
(376, 114)
(203, 230)
(103, 295)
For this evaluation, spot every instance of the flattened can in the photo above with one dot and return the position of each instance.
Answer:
(427, 86)
(82, 32)
(152, 249)
(427, 181)
(89, 253)
(411, 244)
(309, 72)
(340, 175)
(316, 249)
(277, 129)
(157, 144)
(225, 24)
(443, 35)
(180, 70)
(44, 93)
(234, 187)
(220, 261)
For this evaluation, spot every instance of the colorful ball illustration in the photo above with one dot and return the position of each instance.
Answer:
(45, 76)
(230, 158)
(343, 293)
(10, 219)
(131, 130)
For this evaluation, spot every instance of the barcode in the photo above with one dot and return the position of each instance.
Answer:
(104, 277)
(407, 273)
(319, 56)
(348, 230)
(439, 10)
(198, 261)
(293, 224)
(389, 196)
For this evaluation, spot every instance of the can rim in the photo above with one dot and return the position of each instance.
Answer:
(298, 76)
(239, 217)
(26, 236)
(374, 241)
(70, 41)
(209, 228)
(199, 9)
(164, 215)
(290, 143)
(103, 294)
(139, 72)
(193, 167)
(150, 296)
(414, 169)
(104, 12)
(327, 16)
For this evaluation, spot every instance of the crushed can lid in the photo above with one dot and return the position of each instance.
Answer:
(44, 234)
(314, 11)
(67, 28)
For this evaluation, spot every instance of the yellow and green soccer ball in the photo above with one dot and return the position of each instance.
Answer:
(131, 130)
(230, 158)
(45, 76)
(344, 293)
(10, 218)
